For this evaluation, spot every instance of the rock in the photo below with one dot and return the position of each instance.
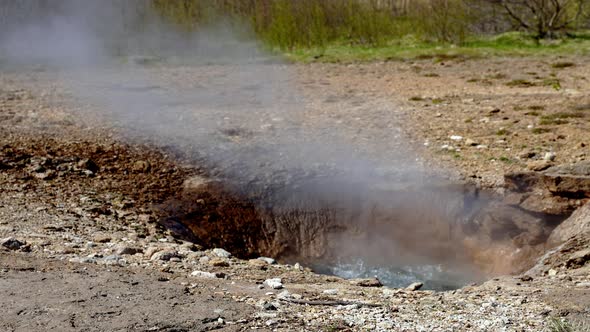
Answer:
(219, 262)
(221, 253)
(415, 286)
(577, 223)
(125, 250)
(297, 266)
(151, 251)
(269, 306)
(368, 282)
(578, 259)
(456, 137)
(203, 274)
(567, 185)
(274, 283)
(330, 292)
(470, 142)
(549, 156)
(204, 260)
(257, 263)
(527, 155)
(552, 272)
(141, 166)
(285, 295)
(102, 239)
(112, 258)
(89, 165)
(539, 165)
(47, 175)
(267, 260)
(165, 255)
(11, 243)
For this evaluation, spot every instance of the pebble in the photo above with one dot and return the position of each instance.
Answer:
(274, 283)
(549, 156)
(124, 250)
(164, 255)
(456, 137)
(203, 274)
(330, 292)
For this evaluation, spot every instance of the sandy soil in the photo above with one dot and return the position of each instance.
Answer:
(509, 112)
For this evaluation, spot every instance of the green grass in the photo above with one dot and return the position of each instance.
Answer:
(409, 48)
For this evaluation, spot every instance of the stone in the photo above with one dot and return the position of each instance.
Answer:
(415, 286)
(297, 266)
(456, 137)
(257, 263)
(89, 165)
(203, 274)
(165, 255)
(539, 165)
(267, 260)
(549, 156)
(285, 295)
(204, 260)
(368, 282)
(218, 262)
(221, 253)
(269, 306)
(330, 292)
(552, 272)
(527, 155)
(11, 243)
(274, 283)
(151, 251)
(47, 175)
(112, 258)
(102, 239)
(470, 142)
(141, 166)
(125, 250)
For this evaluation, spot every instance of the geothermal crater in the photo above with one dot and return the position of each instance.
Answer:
(444, 235)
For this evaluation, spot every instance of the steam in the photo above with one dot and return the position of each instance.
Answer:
(220, 100)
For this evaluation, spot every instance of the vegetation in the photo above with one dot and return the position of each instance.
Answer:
(357, 30)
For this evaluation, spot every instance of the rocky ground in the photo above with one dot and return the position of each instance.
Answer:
(82, 248)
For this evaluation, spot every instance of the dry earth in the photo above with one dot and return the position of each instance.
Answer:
(82, 250)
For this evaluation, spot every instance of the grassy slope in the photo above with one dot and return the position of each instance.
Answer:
(509, 44)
